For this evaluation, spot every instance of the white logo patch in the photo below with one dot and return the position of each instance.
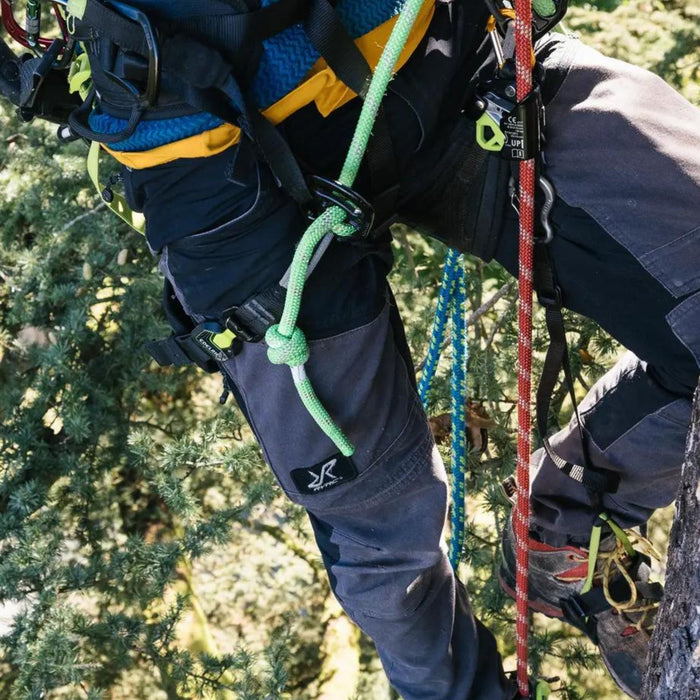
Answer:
(325, 477)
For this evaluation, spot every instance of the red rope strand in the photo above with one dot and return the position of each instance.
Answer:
(521, 515)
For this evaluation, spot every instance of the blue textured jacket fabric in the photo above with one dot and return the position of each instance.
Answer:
(286, 59)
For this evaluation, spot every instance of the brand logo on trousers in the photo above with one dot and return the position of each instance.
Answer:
(325, 477)
(334, 470)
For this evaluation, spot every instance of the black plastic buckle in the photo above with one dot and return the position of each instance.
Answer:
(250, 320)
(29, 92)
(552, 298)
(360, 213)
(148, 97)
(239, 327)
(541, 24)
(207, 336)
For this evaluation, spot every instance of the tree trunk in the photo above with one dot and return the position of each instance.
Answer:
(674, 653)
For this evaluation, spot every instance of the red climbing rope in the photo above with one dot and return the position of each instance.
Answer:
(521, 516)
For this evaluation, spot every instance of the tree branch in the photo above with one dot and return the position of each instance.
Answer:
(85, 215)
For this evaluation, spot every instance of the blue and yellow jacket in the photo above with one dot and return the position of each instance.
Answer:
(291, 75)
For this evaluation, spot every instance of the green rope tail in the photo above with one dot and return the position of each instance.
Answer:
(286, 342)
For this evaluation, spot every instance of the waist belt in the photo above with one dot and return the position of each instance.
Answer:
(213, 342)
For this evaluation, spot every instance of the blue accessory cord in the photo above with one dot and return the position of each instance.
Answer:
(452, 301)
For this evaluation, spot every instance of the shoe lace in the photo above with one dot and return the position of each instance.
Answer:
(606, 565)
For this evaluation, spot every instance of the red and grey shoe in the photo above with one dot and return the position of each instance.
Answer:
(603, 590)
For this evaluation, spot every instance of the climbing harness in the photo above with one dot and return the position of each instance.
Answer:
(342, 213)
(136, 65)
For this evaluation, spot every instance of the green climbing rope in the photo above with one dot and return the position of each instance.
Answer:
(286, 342)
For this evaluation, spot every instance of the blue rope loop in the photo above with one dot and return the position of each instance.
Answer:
(452, 303)
(458, 403)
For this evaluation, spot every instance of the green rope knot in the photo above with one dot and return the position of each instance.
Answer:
(291, 348)
(286, 350)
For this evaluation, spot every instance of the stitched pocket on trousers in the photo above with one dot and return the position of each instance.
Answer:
(362, 380)
(214, 269)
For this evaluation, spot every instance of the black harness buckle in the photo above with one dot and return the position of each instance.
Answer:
(327, 192)
(250, 320)
(146, 98)
(236, 325)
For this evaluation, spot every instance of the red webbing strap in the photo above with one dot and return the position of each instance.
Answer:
(523, 64)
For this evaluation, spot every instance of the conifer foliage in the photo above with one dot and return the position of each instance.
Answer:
(105, 462)
(145, 550)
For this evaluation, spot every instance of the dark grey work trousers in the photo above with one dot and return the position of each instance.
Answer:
(627, 253)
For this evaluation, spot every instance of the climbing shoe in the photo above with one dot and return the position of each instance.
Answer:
(603, 590)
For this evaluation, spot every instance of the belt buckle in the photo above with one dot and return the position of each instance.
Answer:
(239, 328)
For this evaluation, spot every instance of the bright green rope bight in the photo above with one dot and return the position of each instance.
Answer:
(286, 342)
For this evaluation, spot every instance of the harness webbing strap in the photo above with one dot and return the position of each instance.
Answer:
(595, 479)
(278, 155)
(330, 38)
(179, 351)
(232, 33)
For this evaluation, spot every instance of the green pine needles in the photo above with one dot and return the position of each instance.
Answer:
(145, 550)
